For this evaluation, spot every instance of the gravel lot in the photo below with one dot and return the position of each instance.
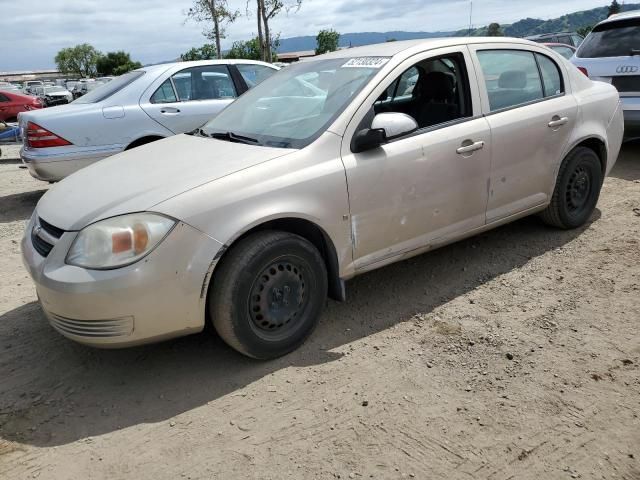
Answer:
(512, 355)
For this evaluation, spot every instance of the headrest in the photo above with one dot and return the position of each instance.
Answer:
(435, 86)
(513, 79)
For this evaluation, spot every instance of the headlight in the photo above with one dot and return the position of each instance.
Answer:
(118, 241)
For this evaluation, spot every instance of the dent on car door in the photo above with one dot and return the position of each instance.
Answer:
(531, 114)
(190, 97)
(427, 186)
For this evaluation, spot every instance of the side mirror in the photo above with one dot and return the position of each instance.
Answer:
(384, 127)
(394, 124)
(367, 139)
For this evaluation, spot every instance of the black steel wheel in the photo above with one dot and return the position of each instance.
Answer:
(267, 294)
(577, 190)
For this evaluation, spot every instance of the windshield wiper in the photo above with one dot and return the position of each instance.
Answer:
(232, 137)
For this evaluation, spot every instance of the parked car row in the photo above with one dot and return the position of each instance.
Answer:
(327, 169)
(132, 110)
(12, 103)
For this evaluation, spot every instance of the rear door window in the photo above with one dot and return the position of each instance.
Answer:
(511, 77)
(210, 82)
(164, 93)
(612, 39)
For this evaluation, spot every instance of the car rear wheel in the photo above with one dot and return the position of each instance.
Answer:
(577, 190)
(268, 293)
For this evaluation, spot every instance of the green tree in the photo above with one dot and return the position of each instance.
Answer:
(392, 39)
(494, 30)
(327, 41)
(79, 60)
(614, 8)
(205, 52)
(116, 63)
(584, 31)
(250, 50)
(215, 13)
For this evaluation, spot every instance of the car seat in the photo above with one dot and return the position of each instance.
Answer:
(434, 99)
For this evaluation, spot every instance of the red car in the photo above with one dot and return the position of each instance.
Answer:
(13, 103)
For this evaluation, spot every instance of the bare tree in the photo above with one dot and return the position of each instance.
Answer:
(266, 10)
(214, 12)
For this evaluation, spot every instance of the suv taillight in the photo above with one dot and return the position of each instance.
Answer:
(38, 137)
(584, 70)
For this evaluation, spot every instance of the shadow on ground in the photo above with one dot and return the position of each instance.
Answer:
(628, 165)
(19, 206)
(61, 392)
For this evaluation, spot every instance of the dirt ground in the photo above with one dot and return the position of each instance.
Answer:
(512, 355)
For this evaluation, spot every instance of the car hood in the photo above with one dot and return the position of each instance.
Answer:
(138, 179)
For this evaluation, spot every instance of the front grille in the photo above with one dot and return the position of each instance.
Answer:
(627, 83)
(50, 229)
(42, 247)
(115, 327)
(44, 242)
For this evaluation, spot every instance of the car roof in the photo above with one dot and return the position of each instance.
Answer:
(201, 63)
(621, 16)
(556, 44)
(551, 34)
(390, 49)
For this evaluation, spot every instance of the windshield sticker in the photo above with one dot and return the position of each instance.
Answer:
(366, 62)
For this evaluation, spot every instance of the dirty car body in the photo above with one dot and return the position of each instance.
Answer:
(397, 149)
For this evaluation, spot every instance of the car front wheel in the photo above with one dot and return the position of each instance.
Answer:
(268, 293)
(577, 190)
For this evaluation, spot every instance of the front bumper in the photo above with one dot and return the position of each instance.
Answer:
(161, 296)
(54, 164)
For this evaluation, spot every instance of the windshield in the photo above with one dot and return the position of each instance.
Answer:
(296, 105)
(612, 39)
(54, 89)
(100, 92)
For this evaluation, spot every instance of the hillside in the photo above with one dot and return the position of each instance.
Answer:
(521, 28)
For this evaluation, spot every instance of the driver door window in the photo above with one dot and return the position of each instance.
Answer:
(432, 92)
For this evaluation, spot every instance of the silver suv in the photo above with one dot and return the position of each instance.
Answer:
(611, 53)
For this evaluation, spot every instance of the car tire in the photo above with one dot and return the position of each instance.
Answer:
(267, 294)
(576, 191)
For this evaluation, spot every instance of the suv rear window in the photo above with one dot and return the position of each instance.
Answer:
(612, 39)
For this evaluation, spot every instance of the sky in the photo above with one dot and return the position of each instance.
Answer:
(155, 30)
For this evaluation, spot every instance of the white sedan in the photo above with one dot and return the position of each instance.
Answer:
(132, 110)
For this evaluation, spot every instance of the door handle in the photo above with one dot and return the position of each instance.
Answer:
(472, 147)
(170, 111)
(556, 121)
